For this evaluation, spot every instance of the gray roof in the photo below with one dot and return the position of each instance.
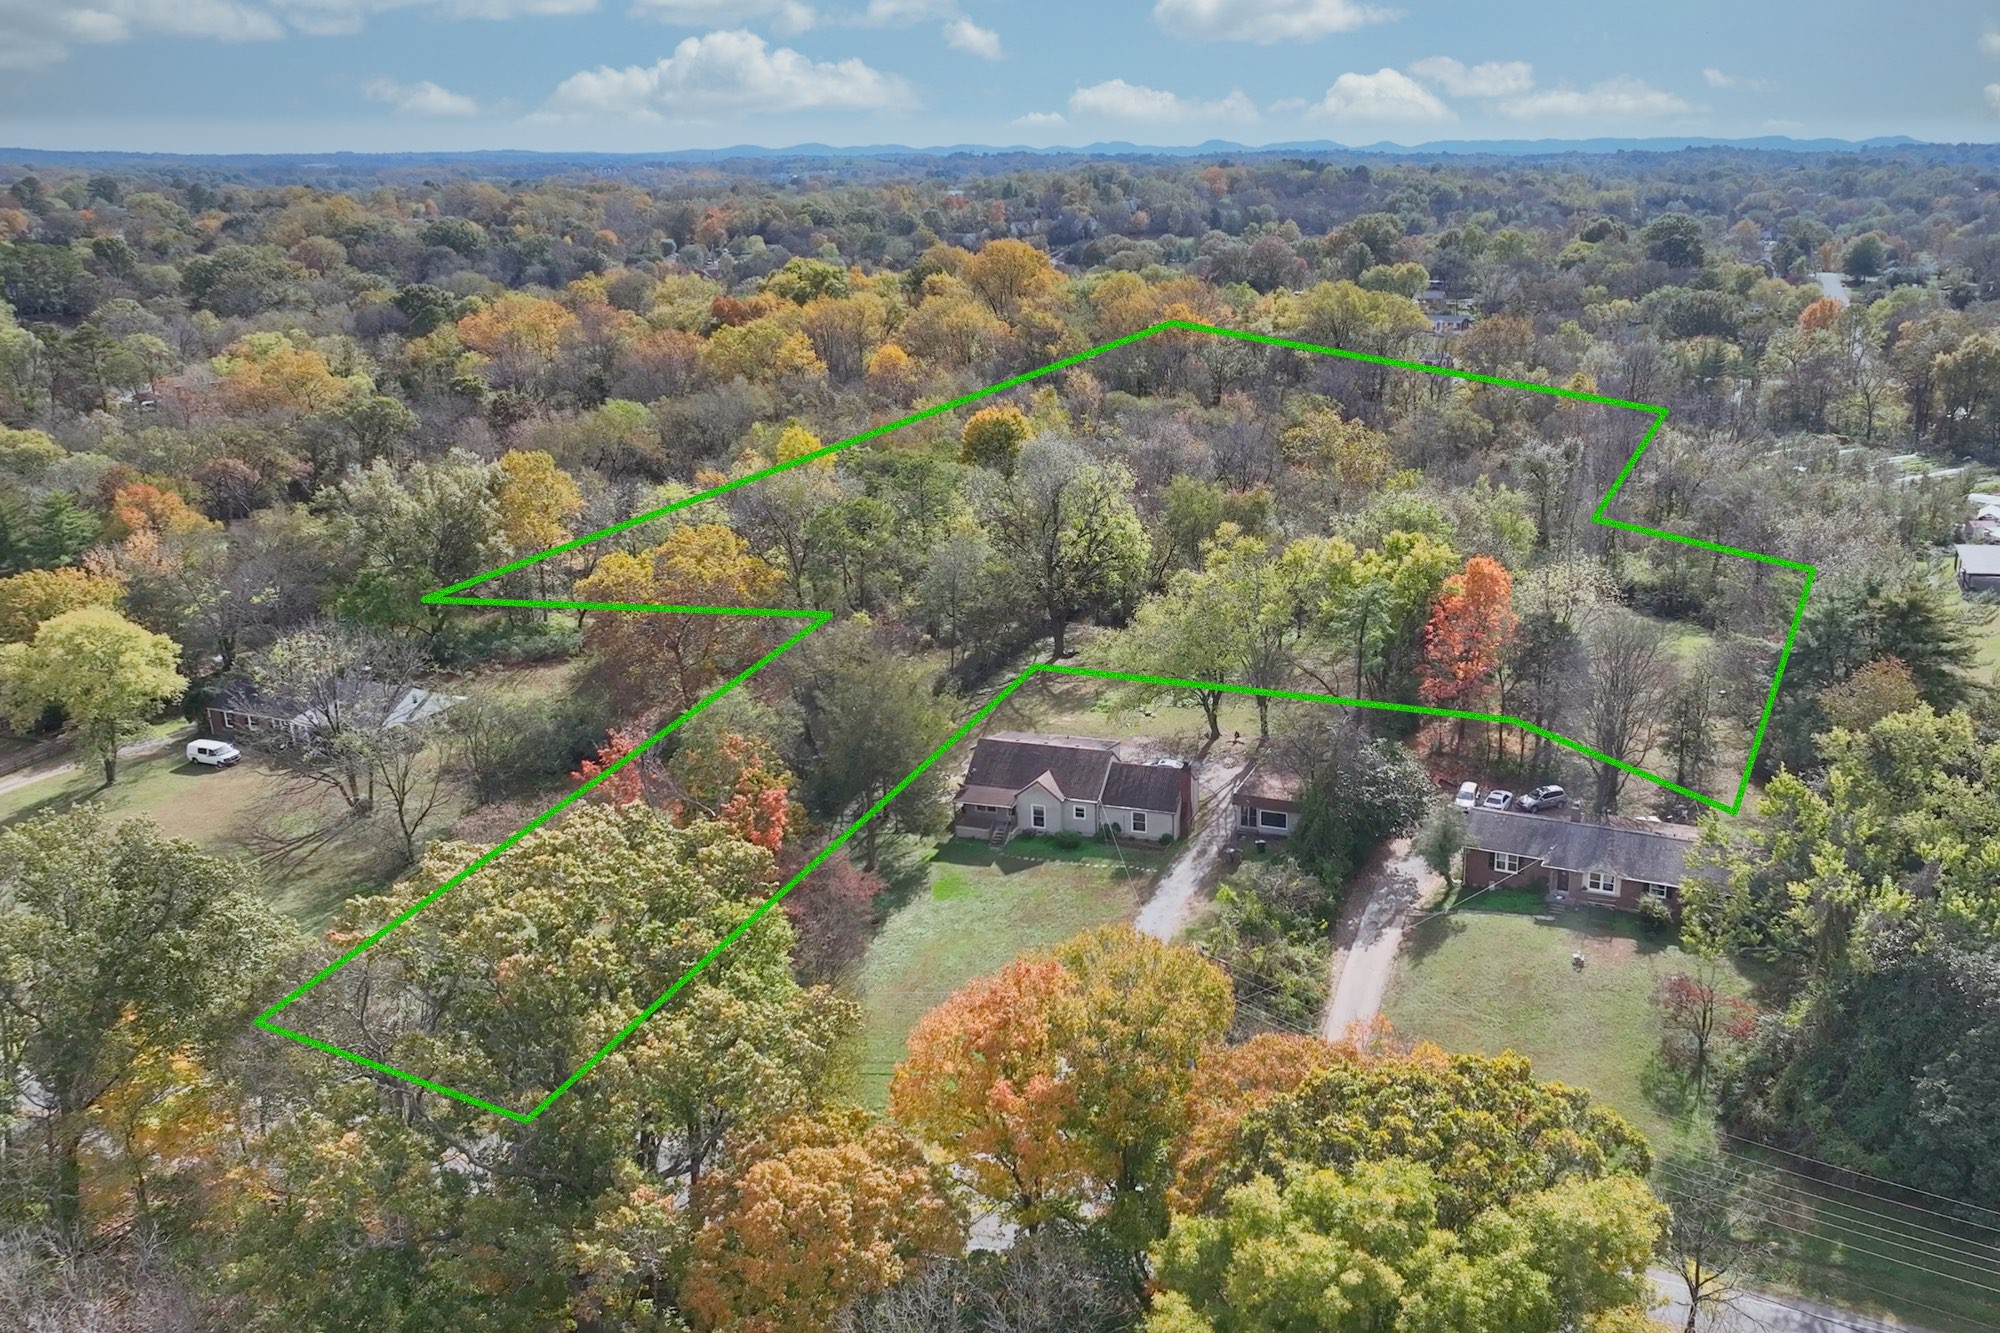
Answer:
(1979, 559)
(1007, 764)
(1144, 786)
(1564, 844)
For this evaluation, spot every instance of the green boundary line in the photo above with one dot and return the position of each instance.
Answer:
(456, 595)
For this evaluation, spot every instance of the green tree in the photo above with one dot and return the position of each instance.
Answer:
(1675, 240)
(1066, 527)
(1365, 1248)
(1442, 839)
(437, 524)
(103, 672)
(118, 947)
(871, 717)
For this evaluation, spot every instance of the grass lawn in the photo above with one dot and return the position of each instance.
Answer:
(311, 857)
(1496, 979)
(978, 914)
(1078, 706)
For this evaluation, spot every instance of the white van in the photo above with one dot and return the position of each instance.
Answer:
(216, 754)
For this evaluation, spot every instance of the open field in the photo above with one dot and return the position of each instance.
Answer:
(978, 914)
(310, 854)
(1493, 980)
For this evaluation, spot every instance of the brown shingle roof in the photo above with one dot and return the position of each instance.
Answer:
(1144, 786)
(1007, 764)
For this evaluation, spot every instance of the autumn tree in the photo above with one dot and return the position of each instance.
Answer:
(26, 600)
(654, 659)
(522, 973)
(992, 437)
(827, 1210)
(121, 951)
(1057, 1083)
(1699, 1020)
(105, 674)
(1471, 624)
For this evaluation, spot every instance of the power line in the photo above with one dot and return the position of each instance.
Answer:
(1772, 1200)
(1868, 1286)
(1864, 1175)
(1894, 1203)
(1900, 1223)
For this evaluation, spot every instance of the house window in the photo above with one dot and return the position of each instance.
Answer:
(1506, 863)
(1038, 817)
(1272, 819)
(1659, 893)
(1246, 816)
(1078, 811)
(1600, 881)
(1138, 821)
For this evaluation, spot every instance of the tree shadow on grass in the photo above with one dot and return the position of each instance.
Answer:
(1428, 936)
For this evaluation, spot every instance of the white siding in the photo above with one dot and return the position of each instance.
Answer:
(1157, 822)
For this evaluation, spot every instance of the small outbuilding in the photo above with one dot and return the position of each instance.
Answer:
(1267, 802)
(1978, 568)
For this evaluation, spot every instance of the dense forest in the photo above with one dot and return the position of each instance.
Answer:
(246, 424)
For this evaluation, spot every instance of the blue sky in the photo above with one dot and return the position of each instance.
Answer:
(655, 75)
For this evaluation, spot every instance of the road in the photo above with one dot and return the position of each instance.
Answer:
(1369, 934)
(1753, 1312)
(1167, 912)
(1833, 286)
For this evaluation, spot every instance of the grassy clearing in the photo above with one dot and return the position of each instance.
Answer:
(312, 856)
(1078, 706)
(1495, 979)
(977, 915)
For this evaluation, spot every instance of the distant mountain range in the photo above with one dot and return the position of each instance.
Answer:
(543, 161)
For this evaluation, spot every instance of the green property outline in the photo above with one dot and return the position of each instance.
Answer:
(455, 596)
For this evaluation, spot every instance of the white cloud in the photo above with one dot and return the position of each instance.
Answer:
(337, 18)
(1385, 95)
(731, 71)
(1490, 78)
(1619, 98)
(967, 36)
(423, 98)
(1120, 100)
(1715, 78)
(1264, 21)
(902, 13)
(786, 16)
(1993, 96)
(34, 33)
(1039, 120)
(1989, 41)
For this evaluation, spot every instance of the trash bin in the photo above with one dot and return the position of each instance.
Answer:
(1260, 846)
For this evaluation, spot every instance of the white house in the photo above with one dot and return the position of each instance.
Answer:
(1024, 783)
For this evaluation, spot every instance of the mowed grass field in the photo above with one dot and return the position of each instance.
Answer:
(976, 914)
(1492, 981)
(310, 855)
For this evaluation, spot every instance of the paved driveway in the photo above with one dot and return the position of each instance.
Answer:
(1176, 892)
(1370, 933)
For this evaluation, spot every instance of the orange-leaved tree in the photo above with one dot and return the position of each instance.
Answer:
(829, 1208)
(1471, 623)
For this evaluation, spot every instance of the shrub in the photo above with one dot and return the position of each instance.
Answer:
(1655, 915)
(1067, 839)
(1166, 838)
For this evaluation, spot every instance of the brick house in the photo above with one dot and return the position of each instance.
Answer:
(1021, 782)
(1615, 863)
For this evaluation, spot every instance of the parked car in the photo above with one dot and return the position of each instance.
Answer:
(1543, 798)
(1468, 795)
(1497, 800)
(216, 754)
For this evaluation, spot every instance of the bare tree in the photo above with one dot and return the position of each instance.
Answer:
(1713, 1237)
(410, 771)
(340, 689)
(1632, 678)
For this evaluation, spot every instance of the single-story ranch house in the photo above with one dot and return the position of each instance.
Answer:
(1978, 568)
(1267, 803)
(1019, 782)
(244, 712)
(1618, 863)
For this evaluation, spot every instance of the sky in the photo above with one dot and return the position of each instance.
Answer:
(215, 76)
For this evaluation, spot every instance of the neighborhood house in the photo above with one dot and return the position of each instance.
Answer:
(352, 702)
(1613, 864)
(1978, 568)
(1267, 803)
(1024, 783)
